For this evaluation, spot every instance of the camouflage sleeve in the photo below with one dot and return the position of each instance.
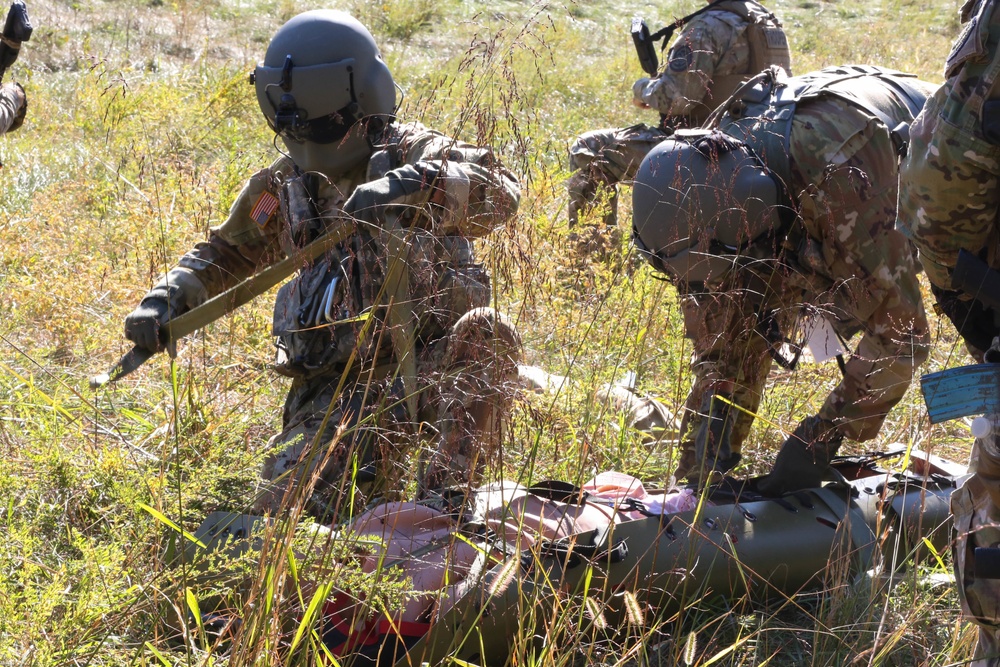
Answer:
(246, 242)
(10, 105)
(847, 167)
(493, 191)
(690, 64)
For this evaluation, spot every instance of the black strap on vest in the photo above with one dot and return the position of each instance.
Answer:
(668, 32)
(644, 41)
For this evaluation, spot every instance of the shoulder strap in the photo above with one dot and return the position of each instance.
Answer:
(741, 8)
(829, 80)
(738, 7)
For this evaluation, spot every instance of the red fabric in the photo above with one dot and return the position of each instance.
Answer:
(338, 615)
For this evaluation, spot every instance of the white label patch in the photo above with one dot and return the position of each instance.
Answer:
(821, 339)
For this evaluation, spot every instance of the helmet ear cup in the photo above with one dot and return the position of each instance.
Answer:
(697, 205)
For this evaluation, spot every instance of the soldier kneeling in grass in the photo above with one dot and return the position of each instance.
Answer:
(387, 333)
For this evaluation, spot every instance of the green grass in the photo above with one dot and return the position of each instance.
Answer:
(140, 131)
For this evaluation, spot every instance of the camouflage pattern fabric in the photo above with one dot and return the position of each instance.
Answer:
(711, 47)
(975, 507)
(13, 105)
(948, 201)
(842, 258)
(948, 197)
(465, 384)
(601, 159)
(443, 275)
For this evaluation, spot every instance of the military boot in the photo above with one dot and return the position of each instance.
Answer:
(804, 457)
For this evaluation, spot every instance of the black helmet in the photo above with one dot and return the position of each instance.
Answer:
(323, 73)
(699, 202)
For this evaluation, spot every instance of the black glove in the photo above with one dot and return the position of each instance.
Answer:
(399, 187)
(803, 458)
(144, 325)
(975, 322)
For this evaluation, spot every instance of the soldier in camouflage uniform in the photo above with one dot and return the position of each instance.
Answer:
(785, 209)
(383, 359)
(975, 508)
(719, 48)
(949, 200)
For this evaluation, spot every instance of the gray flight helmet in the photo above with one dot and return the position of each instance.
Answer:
(698, 203)
(324, 88)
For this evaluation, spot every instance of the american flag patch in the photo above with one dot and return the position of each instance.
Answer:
(265, 207)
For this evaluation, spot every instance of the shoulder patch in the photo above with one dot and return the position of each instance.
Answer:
(264, 208)
(681, 58)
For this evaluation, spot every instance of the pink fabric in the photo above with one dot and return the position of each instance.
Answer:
(528, 519)
(423, 542)
(616, 487)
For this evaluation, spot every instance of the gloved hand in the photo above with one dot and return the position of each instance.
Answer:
(13, 97)
(637, 89)
(409, 185)
(144, 324)
(803, 458)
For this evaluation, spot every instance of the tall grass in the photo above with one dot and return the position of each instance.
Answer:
(141, 129)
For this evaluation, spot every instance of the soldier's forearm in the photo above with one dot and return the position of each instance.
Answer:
(220, 265)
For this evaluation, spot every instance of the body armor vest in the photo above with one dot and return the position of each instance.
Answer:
(319, 315)
(768, 47)
(760, 114)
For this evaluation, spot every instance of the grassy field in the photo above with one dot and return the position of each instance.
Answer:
(141, 128)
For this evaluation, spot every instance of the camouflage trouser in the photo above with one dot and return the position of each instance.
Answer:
(603, 158)
(975, 507)
(730, 358)
(948, 190)
(465, 383)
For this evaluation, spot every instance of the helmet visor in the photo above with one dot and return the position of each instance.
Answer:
(288, 124)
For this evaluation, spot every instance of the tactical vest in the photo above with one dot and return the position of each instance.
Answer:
(768, 47)
(760, 114)
(320, 315)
